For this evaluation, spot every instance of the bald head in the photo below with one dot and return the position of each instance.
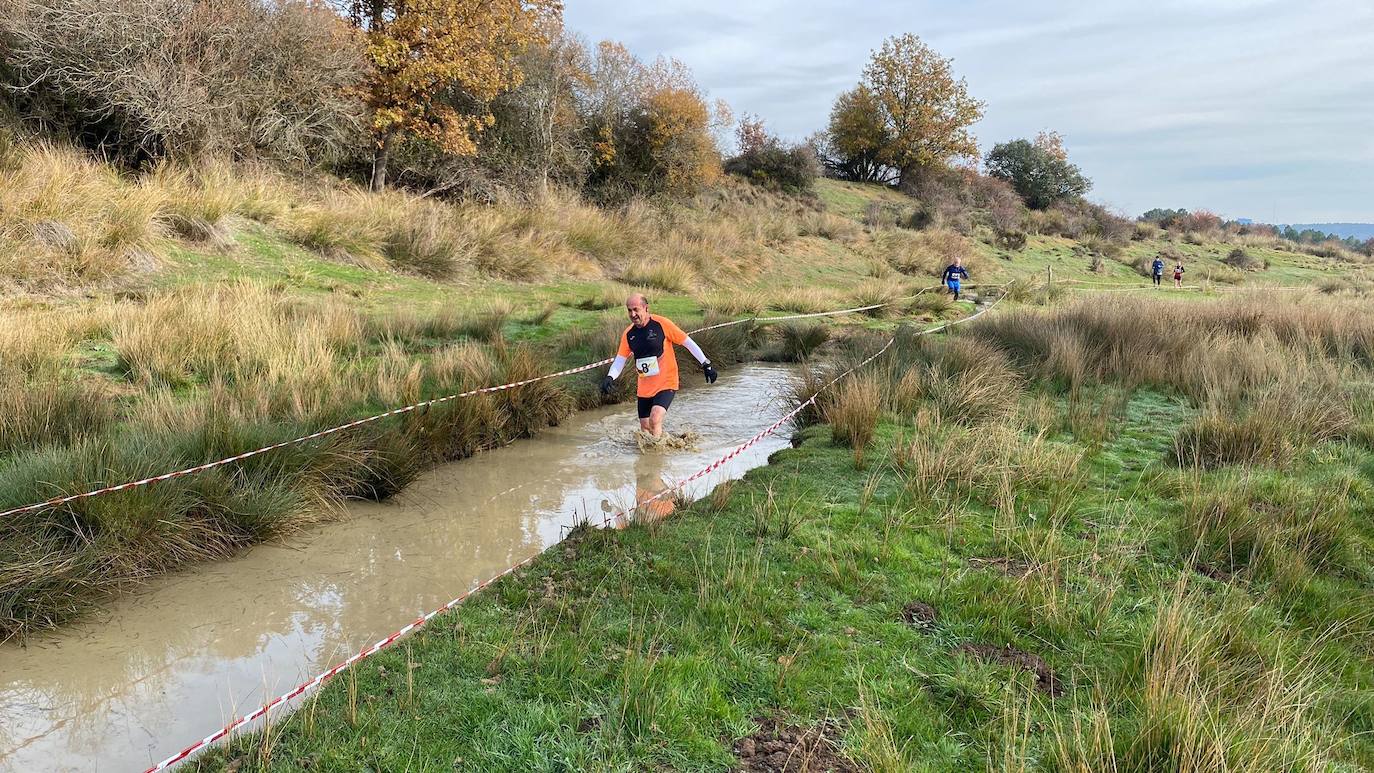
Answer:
(638, 308)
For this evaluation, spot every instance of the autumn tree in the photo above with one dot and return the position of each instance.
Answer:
(649, 127)
(1052, 142)
(438, 64)
(751, 134)
(856, 142)
(1042, 176)
(925, 111)
(536, 139)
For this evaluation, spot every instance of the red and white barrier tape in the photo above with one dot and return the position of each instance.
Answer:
(421, 621)
(62, 500)
(608, 519)
(307, 686)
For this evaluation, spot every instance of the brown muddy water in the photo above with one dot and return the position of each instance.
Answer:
(176, 661)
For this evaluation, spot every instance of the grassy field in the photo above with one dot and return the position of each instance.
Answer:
(1091, 537)
(158, 322)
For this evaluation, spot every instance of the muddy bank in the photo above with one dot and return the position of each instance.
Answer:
(171, 664)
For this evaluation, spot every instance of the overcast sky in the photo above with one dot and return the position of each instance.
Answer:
(1252, 108)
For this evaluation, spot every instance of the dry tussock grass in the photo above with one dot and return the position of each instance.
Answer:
(66, 219)
(852, 408)
(733, 303)
(1208, 351)
(671, 274)
(926, 252)
(805, 300)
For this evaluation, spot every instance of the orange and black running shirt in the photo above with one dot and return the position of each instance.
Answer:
(650, 351)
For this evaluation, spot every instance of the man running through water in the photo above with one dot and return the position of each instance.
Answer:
(953, 273)
(650, 340)
(1157, 268)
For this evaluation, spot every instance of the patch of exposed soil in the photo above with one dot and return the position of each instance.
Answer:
(1012, 567)
(1220, 575)
(779, 748)
(1045, 679)
(918, 614)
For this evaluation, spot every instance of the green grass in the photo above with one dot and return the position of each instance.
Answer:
(852, 199)
(659, 647)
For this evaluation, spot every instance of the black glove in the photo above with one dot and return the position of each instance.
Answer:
(606, 385)
(710, 372)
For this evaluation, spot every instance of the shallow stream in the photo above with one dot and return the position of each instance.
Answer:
(174, 662)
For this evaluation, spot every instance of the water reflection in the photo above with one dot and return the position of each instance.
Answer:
(652, 503)
(172, 664)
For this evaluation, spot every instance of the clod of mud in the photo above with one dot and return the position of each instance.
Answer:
(918, 614)
(1045, 679)
(683, 441)
(779, 748)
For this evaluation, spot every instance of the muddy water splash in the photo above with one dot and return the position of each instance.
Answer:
(177, 661)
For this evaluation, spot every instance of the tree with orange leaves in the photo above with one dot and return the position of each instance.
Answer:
(438, 64)
(650, 128)
(926, 112)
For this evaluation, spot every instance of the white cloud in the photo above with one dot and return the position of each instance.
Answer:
(1257, 108)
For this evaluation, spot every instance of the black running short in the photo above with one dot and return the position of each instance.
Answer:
(664, 398)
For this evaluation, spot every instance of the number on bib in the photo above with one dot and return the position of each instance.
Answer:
(647, 366)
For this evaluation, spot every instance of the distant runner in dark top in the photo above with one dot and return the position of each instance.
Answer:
(649, 339)
(954, 272)
(1157, 268)
(1178, 275)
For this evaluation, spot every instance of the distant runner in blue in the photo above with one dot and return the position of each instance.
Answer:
(954, 272)
(1157, 270)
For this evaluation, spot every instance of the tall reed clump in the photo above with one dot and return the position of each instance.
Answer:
(883, 295)
(796, 341)
(66, 219)
(852, 408)
(1282, 420)
(1222, 350)
(1269, 529)
(961, 379)
(1208, 694)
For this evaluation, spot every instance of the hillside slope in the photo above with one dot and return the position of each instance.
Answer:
(159, 322)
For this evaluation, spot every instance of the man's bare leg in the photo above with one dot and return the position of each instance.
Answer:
(654, 424)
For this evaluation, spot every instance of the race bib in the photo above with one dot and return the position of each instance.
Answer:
(647, 366)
